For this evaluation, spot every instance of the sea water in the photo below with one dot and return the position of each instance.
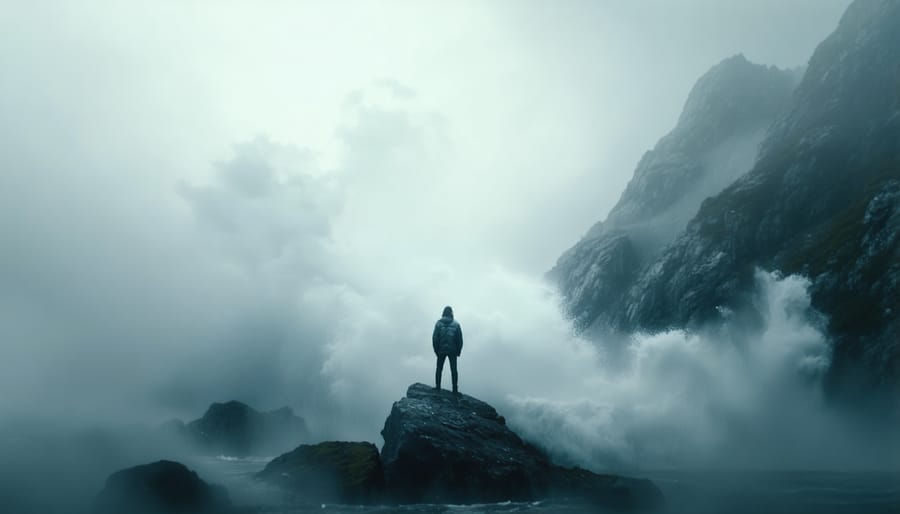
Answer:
(686, 492)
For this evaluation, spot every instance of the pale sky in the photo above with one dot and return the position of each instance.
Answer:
(546, 106)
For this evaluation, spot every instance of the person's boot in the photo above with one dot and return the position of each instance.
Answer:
(455, 389)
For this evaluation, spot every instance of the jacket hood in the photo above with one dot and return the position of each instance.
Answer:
(446, 319)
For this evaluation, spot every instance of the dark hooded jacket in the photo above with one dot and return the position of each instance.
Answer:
(447, 337)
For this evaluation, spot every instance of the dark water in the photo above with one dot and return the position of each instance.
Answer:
(825, 492)
(686, 492)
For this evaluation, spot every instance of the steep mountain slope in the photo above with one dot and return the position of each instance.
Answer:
(823, 199)
(714, 142)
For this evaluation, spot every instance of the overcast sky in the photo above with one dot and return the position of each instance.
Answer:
(273, 200)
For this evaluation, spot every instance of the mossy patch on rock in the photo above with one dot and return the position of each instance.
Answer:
(346, 472)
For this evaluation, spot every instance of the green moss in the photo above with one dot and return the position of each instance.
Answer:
(355, 462)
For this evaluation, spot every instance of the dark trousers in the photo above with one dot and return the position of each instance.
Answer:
(440, 370)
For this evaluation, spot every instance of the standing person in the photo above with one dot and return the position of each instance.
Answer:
(447, 342)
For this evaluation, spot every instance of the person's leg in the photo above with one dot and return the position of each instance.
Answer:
(454, 375)
(439, 371)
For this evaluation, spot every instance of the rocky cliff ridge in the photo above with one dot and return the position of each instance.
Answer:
(821, 200)
(714, 142)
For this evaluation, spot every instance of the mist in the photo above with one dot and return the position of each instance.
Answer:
(730, 396)
(203, 202)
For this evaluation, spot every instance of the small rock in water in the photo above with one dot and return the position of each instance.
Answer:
(339, 472)
(163, 487)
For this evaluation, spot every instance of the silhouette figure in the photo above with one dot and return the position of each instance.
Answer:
(447, 342)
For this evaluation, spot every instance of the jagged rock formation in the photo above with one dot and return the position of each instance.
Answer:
(441, 447)
(329, 472)
(236, 429)
(821, 200)
(448, 448)
(714, 142)
(163, 487)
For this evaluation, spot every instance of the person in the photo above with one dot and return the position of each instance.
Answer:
(447, 341)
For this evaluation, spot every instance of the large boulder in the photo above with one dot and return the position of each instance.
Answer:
(441, 447)
(236, 429)
(163, 487)
(334, 472)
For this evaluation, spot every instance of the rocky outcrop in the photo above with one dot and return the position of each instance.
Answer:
(330, 472)
(236, 429)
(163, 487)
(714, 142)
(440, 447)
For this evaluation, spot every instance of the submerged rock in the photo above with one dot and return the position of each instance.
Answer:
(163, 487)
(440, 447)
(236, 429)
(335, 472)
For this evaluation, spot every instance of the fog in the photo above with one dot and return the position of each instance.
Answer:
(726, 397)
(272, 203)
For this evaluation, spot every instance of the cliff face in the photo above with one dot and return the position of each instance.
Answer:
(714, 142)
(820, 200)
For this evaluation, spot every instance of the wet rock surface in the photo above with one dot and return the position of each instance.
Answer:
(442, 447)
(446, 448)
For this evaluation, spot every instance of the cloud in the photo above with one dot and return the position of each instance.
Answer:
(728, 397)
(306, 266)
(385, 166)
(285, 283)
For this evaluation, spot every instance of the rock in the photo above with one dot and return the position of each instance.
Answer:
(173, 428)
(236, 429)
(441, 447)
(446, 448)
(163, 487)
(333, 472)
